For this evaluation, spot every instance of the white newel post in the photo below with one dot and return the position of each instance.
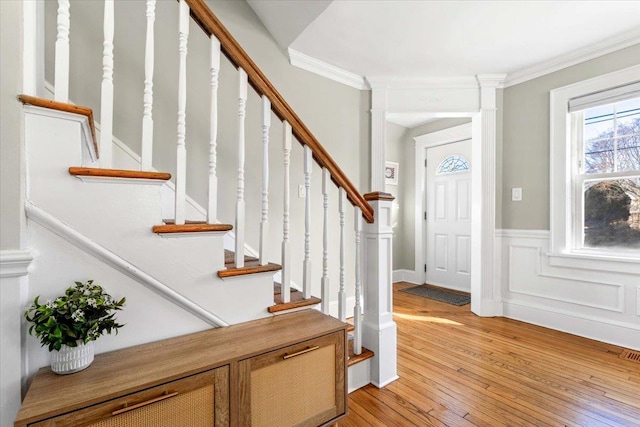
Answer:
(147, 115)
(212, 196)
(379, 331)
(62, 52)
(286, 256)
(106, 96)
(264, 221)
(181, 154)
(240, 204)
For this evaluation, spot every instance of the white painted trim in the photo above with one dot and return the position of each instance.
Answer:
(385, 383)
(403, 275)
(358, 375)
(421, 143)
(245, 276)
(539, 272)
(118, 180)
(87, 135)
(456, 82)
(15, 263)
(574, 57)
(321, 68)
(638, 300)
(526, 234)
(58, 227)
(626, 334)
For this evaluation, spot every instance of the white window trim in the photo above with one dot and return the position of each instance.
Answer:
(561, 222)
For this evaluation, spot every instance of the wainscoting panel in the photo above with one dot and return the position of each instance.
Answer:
(601, 304)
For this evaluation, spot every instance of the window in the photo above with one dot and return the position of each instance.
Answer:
(607, 179)
(452, 164)
(595, 173)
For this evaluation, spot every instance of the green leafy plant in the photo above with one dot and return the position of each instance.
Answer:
(83, 314)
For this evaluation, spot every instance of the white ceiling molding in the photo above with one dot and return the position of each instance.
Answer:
(458, 82)
(578, 56)
(329, 71)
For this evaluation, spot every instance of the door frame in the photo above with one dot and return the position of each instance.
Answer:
(421, 144)
(451, 135)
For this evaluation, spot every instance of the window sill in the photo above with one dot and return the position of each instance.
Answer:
(593, 261)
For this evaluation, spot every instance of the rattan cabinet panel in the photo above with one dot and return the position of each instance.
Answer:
(299, 385)
(197, 401)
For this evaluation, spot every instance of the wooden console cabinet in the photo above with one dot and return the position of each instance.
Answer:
(287, 370)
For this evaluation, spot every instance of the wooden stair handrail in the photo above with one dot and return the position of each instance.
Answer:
(211, 25)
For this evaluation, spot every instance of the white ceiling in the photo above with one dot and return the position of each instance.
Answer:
(421, 38)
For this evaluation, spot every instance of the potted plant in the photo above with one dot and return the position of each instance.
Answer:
(69, 324)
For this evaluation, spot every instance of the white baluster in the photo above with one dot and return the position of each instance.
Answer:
(242, 101)
(286, 267)
(326, 180)
(264, 222)
(306, 267)
(212, 208)
(106, 95)
(181, 154)
(342, 295)
(147, 116)
(62, 52)
(357, 310)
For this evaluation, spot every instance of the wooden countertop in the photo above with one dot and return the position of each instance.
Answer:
(124, 371)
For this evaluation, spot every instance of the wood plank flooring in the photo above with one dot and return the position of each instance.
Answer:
(457, 369)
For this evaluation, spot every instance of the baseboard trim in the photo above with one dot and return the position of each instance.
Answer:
(403, 275)
(609, 331)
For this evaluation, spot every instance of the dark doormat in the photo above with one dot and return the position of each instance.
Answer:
(441, 295)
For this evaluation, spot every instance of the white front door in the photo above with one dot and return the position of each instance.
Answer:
(448, 207)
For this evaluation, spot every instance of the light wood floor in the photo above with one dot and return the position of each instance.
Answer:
(457, 369)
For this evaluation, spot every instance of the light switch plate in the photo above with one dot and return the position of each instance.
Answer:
(516, 194)
(301, 191)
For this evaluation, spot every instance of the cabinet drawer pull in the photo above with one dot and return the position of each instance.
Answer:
(298, 353)
(126, 408)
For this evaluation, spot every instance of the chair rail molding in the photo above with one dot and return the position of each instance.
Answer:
(15, 263)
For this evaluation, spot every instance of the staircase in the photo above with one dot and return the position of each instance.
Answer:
(83, 189)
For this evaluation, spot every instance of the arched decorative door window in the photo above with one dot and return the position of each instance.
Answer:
(453, 164)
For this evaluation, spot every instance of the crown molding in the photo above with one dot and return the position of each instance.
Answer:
(305, 62)
(575, 57)
(416, 82)
(491, 80)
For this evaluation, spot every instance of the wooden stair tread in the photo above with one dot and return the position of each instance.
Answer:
(296, 301)
(191, 228)
(353, 358)
(229, 259)
(67, 108)
(119, 173)
(253, 268)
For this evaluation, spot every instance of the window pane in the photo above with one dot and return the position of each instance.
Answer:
(598, 122)
(612, 214)
(628, 117)
(629, 153)
(452, 164)
(599, 155)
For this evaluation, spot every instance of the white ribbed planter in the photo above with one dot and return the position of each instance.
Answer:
(72, 359)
